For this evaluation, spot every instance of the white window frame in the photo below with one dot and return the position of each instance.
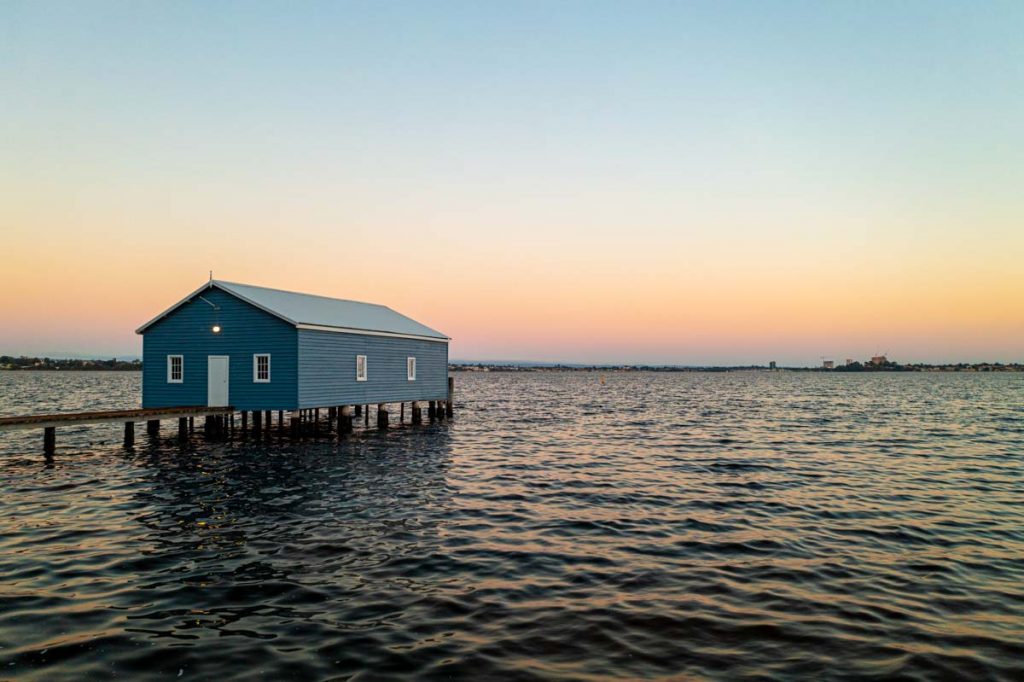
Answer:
(366, 371)
(170, 369)
(256, 368)
(410, 368)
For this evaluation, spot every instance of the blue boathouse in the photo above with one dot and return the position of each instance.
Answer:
(254, 348)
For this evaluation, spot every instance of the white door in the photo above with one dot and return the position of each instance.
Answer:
(217, 381)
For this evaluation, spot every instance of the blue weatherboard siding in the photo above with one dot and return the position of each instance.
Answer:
(245, 330)
(327, 369)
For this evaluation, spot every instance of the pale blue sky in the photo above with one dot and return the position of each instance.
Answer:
(675, 147)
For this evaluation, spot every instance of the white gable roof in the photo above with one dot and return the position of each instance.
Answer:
(309, 311)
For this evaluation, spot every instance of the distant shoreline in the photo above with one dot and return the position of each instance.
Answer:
(10, 363)
(853, 368)
(24, 363)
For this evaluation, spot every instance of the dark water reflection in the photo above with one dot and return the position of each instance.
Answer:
(654, 526)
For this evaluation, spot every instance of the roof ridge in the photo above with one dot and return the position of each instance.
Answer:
(299, 293)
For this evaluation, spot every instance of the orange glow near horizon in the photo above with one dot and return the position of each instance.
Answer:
(597, 302)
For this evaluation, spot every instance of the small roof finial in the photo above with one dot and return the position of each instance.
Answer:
(211, 276)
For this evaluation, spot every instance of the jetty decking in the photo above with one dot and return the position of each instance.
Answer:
(41, 421)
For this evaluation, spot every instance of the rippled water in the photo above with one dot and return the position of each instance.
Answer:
(656, 526)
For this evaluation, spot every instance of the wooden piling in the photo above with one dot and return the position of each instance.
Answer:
(50, 440)
(296, 425)
(183, 428)
(401, 413)
(382, 416)
(245, 422)
(417, 413)
(153, 427)
(440, 410)
(431, 410)
(345, 421)
(449, 405)
(257, 426)
(366, 417)
(359, 410)
(191, 424)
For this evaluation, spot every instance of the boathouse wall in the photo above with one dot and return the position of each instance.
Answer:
(327, 369)
(244, 331)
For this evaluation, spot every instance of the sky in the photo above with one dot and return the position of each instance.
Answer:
(657, 182)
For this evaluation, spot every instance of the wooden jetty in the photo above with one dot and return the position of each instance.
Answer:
(220, 421)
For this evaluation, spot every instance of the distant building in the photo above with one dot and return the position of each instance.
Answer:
(849, 361)
(878, 360)
(828, 364)
(771, 365)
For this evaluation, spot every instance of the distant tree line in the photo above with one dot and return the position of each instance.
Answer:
(887, 366)
(890, 366)
(10, 362)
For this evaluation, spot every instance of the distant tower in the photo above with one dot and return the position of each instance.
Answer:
(771, 365)
(849, 361)
(828, 364)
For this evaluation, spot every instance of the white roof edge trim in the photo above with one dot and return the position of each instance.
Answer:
(254, 304)
(174, 307)
(210, 285)
(367, 332)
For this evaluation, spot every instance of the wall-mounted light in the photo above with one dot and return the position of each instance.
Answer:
(216, 329)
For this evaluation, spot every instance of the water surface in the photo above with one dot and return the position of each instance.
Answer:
(654, 526)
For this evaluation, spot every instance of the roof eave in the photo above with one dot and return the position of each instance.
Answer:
(174, 307)
(371, 332)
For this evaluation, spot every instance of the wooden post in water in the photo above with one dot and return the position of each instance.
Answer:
(359, 410)
(245, 422)
(417, 413)
(280, 421)
(257, 426)
(183, 428)
(296, 425)
(382, 416)
(366, 417)
(440, 410)
(49, 440)
(431, 410)
(191, 424)
(153, 427)
(449, 407)
(316, 421)
(345, 420)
